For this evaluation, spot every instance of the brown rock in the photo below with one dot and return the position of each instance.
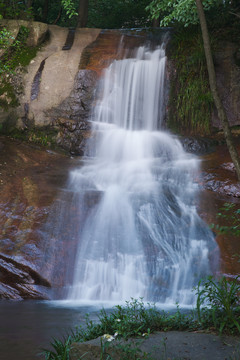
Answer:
(37, 34)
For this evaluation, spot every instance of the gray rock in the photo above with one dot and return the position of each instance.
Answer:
(71, 116)
(162, 345)
(197, 146)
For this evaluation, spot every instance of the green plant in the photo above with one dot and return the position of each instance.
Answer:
(231, 213)
(134, 320)
(190, 99)
(69, 8)
(14, 51)
(5, 38)
(218, 308)
(218, 303)
(61, 349)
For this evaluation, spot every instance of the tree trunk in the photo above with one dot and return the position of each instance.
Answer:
(29, 4)
(82, 13)
(213, 85)
(45, 10)
(58, 17)
(156, 22)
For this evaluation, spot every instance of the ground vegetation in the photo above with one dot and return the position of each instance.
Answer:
(217, 310)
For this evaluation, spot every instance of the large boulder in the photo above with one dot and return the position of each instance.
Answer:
(37, 31)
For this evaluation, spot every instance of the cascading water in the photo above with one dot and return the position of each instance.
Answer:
(143, 236)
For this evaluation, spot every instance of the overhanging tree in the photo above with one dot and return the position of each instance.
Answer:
(189, 12)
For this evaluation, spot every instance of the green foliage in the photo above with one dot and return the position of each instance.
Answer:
(183, 11)
(61, 349)
(14, 9)
(15, 54)
(218, 308)
(117, 14)
(101, 14)
(69, 7)
(218, 304)
(40, 136)
(5, 38)
(190, 98)
(9, 98)
(124, 322)
(231, 213)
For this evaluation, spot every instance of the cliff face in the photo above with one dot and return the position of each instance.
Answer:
(227, 65)
(29, 181)
(191, 106)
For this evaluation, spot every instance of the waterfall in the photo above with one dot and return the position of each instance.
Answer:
(142, 236)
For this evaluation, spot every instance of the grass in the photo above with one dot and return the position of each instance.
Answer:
(217, 310)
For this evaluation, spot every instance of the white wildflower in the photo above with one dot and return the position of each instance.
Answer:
(108, 337)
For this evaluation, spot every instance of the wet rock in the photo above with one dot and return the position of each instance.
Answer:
(228, 166)
(10, 273)
(70, 117)
(21, 279)
(198, 146)
(220, 186)
(29, 180)
(78, 104)
(8, 292)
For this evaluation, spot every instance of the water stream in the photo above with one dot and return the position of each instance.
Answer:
(142, 236)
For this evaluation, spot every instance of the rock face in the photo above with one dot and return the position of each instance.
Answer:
(72, 114)
(227, 65)
(37, 31)
(29, 180)
(219, 175)
(197, 146)
(54, 87)
(18, 281)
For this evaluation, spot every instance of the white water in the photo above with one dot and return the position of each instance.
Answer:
(143, 237)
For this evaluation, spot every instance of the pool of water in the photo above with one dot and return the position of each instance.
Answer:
(28, 326)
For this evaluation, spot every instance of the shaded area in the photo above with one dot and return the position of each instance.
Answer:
(69, 40)
(37, 81)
